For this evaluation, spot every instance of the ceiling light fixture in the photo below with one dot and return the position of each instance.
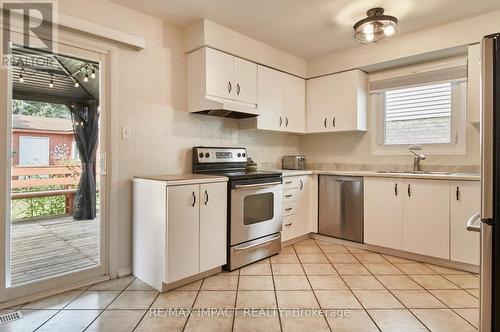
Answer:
(375, 27)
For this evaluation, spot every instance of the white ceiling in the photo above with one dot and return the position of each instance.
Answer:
(309, 28)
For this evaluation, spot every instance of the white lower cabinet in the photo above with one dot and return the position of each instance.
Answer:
(183, 232)
(421, 216)
(383, 209)
(465, 201)
(426, 218)
(298, 206)
(179, 230)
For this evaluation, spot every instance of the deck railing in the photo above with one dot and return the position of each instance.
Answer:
(46, 181)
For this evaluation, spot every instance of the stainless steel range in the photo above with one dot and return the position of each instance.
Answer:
(254, 204)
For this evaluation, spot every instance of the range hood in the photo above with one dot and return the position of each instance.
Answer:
(221, 107)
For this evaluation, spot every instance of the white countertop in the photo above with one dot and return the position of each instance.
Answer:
(182, 179)
(451, 176)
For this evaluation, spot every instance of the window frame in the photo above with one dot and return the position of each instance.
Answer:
(458, 129)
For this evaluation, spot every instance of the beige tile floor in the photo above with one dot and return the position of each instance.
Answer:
(311, 285)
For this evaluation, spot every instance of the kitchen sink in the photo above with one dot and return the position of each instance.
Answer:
(416, 172)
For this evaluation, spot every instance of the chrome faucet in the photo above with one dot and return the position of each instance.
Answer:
(416, 161)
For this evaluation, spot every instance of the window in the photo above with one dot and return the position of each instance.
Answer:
(418, 115)
(33, 151)
(421, 107)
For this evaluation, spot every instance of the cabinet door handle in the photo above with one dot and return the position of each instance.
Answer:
(229, 87)
(333, 121)
(288, 195)
(301, 184)
(286, 121)
(288, 182)
(238, 89)
(458, 193)
(396, 189)
(281, 121)
(324, 122)
(194, 199)
(288, 209)
(409, 190)
(206, 197)
(289, 224)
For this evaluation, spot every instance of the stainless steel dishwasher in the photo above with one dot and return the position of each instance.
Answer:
(341, 207)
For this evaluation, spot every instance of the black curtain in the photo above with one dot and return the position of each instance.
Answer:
(86, 129)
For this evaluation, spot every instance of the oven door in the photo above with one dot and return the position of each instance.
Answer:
(256, 209)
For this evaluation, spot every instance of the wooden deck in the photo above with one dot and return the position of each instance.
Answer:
(48, 247)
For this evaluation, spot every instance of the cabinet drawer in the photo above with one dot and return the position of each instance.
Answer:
(289, 228)
(289, 208)
(290, 183)
(290, 195)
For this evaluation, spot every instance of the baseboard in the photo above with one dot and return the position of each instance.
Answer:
(124, 272)
(295, 240)
(188, 280)
(404, 254)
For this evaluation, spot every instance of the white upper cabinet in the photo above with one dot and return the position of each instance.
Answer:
(294, 103)
(319, 104)
(270, 99)
(245, 81)
(474, 83)
(465, 199)
(337, 102)
(217, 80)
(280, 102)
(219, 74)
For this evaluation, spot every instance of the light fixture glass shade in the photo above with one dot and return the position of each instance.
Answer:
(375, 27)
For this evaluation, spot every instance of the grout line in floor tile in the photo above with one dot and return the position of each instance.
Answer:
(192, 305)
(105, 308)
(236, 299)
(142, 317)
(276, 294)
(310, 285)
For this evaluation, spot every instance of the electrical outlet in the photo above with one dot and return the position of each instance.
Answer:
(126, 132)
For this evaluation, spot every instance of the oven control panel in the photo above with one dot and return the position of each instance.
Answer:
(220, 155)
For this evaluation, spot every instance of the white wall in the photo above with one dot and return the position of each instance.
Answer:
(152, 101)
(447, 36)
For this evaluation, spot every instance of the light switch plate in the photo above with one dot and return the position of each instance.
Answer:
(126, 132)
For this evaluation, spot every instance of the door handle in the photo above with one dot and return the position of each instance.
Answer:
(243, 186)
(194, 199)
(206, 197)
(396, 189)
(238, 89)
(324, 123)
(409, 190)
(471, 225)
(229, 87)
(487, 135)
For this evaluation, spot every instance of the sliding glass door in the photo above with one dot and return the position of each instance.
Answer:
(54, 206)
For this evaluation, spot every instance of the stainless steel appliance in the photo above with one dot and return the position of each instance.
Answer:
(254, 204)
(293, 162)
(490, 195)
(341, 207)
